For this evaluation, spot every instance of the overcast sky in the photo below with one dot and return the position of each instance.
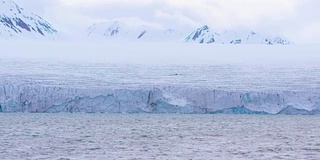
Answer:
(297, 20)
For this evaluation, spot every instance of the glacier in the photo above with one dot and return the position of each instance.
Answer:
(170, 99)
(186, 79)
(99, 83)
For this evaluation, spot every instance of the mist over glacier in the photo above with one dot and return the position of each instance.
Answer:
(160, 53)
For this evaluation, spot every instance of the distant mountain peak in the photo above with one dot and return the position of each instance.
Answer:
(199, 33)
(117, 30)
(205, 27)
(206, 34)
(16, 22)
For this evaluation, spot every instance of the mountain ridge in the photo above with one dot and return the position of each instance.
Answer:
(205, 34)
(116, 30)
(18, 23)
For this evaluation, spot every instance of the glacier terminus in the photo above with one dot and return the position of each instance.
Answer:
(105, 84)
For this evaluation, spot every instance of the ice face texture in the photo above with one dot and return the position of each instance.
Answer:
(100, 78)
(24, 98)
(105, 88)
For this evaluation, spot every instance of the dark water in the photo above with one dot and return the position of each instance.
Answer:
(142, 136)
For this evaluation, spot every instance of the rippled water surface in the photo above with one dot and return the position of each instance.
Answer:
(104, 136)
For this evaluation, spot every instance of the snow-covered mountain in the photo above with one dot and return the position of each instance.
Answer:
(123, 32)
(16, 22)
(207, 35)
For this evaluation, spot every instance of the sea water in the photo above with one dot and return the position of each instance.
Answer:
(149, 136)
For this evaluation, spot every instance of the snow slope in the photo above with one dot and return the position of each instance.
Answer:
(17, 23)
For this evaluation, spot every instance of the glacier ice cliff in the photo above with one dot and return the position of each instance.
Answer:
(50, 85)
(169, 99)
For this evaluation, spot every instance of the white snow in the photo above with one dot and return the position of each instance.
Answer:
(21, 24)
